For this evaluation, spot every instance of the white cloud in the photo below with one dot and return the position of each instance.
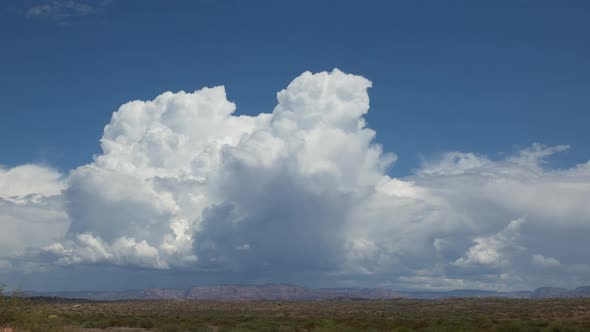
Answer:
(29, 180)
(183, 183)
(453, 163)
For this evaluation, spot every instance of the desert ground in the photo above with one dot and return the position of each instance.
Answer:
(466, 314)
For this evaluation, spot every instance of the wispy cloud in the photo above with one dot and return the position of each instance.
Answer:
(62, 10)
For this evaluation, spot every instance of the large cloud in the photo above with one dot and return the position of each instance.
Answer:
(183, 183)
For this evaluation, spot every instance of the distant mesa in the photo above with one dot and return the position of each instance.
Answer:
(231, 293)
(551, 292)
(285, 292)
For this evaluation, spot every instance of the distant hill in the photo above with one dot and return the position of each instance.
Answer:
(285, 292)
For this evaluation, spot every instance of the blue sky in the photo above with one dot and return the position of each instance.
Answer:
(461, 75)
(449, 149)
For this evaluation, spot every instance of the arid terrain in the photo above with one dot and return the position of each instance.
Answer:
(459, 314)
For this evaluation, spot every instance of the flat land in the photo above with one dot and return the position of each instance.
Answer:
(470, 314)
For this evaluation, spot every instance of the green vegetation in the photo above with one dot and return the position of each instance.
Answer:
(21, 314)
(208, 323)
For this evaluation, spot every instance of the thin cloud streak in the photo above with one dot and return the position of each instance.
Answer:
(62, 10)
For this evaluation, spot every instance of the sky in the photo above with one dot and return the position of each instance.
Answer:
(401, 144)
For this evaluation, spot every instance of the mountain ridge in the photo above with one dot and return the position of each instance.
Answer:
(287, 292)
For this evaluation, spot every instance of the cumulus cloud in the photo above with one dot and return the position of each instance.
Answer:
(184, 183)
